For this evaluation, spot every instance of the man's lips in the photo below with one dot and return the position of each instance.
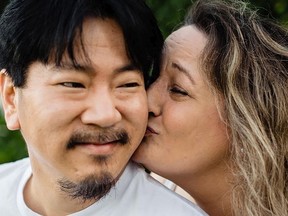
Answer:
(98, 143)
(96, 148)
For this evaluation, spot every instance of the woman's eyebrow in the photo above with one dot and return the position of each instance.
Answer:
(184, 70)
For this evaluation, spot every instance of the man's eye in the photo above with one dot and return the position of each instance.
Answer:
(72, 84)
(178, 91)
(130, 85)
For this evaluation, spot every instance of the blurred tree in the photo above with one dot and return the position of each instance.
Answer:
(277, 9)
(169, 14)
(2, 4)
(12, 146)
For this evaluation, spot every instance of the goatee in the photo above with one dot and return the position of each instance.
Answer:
(90, 188)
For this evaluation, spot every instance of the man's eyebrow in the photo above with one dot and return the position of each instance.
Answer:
(90, 69)
(184, 70)
(69, 66)
(128, 67)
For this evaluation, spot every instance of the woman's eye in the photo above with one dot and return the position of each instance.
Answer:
(72, 85)
(178, 91)
(130, 85)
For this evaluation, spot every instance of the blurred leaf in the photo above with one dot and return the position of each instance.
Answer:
(12, 146)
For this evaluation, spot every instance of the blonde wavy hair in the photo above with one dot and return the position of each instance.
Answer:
(246, 63)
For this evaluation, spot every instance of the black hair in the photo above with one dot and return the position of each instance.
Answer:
(35, 30)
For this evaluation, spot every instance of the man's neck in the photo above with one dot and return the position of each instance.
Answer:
(50, 200)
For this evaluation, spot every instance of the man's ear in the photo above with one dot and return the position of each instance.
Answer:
(8, 92)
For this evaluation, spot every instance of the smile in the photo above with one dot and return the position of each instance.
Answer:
(97, 148)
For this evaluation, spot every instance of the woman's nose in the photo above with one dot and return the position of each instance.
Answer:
(155, 98)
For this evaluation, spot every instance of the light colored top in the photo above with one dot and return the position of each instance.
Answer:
(135, 194)
(172, 186)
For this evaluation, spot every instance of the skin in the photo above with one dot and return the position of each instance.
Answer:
(186, 140)
(107, 95)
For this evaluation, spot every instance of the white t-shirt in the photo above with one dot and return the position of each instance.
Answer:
(135, 194)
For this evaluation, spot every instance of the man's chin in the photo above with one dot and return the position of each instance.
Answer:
(90, 188)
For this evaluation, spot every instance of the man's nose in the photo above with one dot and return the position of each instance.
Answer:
(101, 110)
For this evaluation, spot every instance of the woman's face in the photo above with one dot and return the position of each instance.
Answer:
(185, 136)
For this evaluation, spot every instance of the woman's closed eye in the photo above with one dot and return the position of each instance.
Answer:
(72, 85)
(178, 91)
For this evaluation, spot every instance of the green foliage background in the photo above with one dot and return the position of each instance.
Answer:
(169, 14)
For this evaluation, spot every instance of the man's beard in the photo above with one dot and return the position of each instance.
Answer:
(90, 188)
(94, 186)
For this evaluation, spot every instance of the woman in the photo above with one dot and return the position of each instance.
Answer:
(218, 123)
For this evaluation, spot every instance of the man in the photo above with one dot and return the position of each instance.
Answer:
(73, 77)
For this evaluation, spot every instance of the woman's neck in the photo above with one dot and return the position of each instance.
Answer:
(212, 192)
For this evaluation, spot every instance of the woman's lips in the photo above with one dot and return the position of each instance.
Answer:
(150, 131)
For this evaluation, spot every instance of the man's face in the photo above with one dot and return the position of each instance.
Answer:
(85, 123)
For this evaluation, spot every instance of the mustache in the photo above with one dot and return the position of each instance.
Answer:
(119, 136)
